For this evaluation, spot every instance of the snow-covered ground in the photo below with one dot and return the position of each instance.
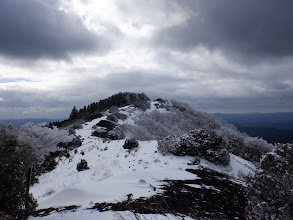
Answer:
(114, 173)
(109, 215)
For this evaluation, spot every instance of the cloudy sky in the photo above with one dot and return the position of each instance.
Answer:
(218, 56)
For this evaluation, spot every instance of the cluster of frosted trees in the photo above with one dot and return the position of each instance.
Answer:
(43, 139)
(270, 190)
(177, 118)
(201, 143)
(22, 151)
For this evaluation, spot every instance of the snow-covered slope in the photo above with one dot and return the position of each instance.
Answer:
(115, 173)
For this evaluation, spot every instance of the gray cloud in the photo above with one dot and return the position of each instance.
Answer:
(244, 105)
(266, 97)
(243, 28)
(24, 103)
(31, 29)
(192, 62)
(259, 96)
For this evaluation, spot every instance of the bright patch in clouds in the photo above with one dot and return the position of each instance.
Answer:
(133, 18)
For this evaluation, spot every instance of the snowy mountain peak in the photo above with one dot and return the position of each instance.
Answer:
(115, 174)
(127, 157)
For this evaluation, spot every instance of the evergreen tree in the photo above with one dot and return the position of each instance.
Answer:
(16, 161)
(74, 113)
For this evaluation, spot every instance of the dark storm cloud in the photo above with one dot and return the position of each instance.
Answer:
(31, 29)
(246, 28)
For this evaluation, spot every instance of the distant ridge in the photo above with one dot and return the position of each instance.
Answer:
(279, 120)
(17, 123)
(271, 135)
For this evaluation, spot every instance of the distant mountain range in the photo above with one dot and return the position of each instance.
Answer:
(273, 127)
(272, 135)
(281, 120)
(17, 123)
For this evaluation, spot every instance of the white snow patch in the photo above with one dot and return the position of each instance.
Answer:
(194, 186)
(108, 215)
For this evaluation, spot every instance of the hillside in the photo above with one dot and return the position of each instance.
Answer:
(142, 159)
(115, 172)
(131, 181)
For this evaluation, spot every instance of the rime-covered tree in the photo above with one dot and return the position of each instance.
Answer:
(43, 139)
(200, 143)
(177, 118)
(16, 161)
(270, 191)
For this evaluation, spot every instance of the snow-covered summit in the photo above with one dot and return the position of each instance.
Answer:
(116, 174)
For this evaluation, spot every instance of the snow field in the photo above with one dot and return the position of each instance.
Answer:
(116, 172)
(109, 215)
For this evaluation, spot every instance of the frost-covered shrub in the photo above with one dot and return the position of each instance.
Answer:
(114, 134)
(117, 132)
(136, 132)
(43, 139)
(181, 119)
(240, 144)
(121, 116)
(220, 156)
(116, 116)
(154, 125)
(75, 143)
(112, 117)
(49, 163)
(76, 126)
(178, 120)
(82, 165)
(270, 194)
(130, 144)
(200, 143)
(161, 103)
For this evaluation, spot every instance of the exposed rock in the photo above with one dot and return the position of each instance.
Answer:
(130, 144)
(82, 165)
(107, 124)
